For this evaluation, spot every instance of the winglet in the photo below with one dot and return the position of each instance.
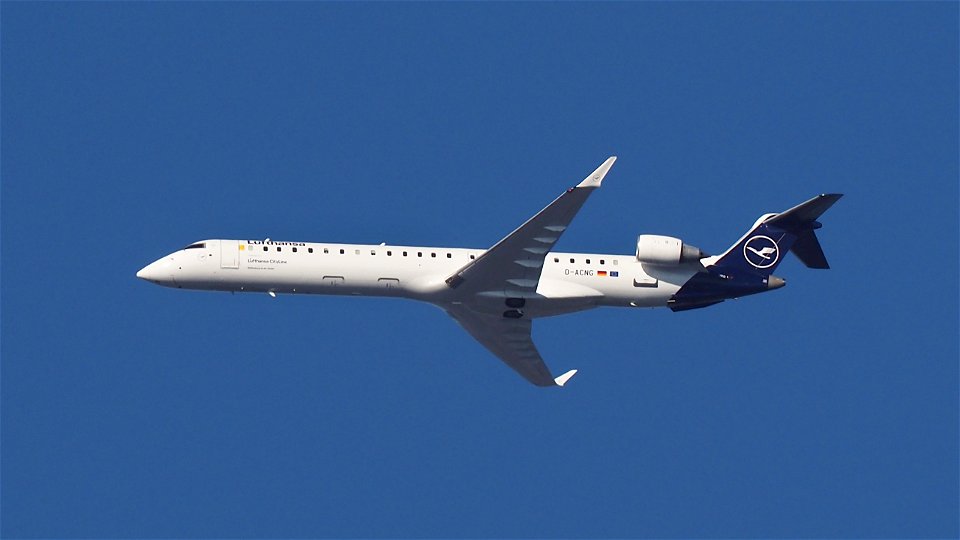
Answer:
(596, 177)
(562, 380)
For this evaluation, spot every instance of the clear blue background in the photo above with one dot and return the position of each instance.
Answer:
(828, 408)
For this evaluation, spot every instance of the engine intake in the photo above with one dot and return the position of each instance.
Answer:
(665, 250)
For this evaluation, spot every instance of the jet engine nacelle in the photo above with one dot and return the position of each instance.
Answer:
(665, 250)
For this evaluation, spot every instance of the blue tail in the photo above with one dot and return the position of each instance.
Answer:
(747, 266)
(761, 250)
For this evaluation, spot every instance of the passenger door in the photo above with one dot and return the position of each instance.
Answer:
(229, 254)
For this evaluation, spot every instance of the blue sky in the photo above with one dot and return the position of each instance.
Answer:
(828, 408)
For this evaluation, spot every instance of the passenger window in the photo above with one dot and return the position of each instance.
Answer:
(265, 248)
(294, 250)
(326, 251)
(472, 257)
(615, 262)
(404, 253)
(571, 261)
(356, 252)
(601, 261)
(278, 248)
(588, 261)
(449, 255)
(341, 252)
(389, 254)
(309, 250)
(556, 259)
(419, 254)
(373, 252)
(434, 255)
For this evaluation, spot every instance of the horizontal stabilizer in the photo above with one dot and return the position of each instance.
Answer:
(562, 380)
(802, 214)
(807, 249)
(801, 220)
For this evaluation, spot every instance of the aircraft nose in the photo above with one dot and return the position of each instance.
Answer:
(149, 272)
(158, 272)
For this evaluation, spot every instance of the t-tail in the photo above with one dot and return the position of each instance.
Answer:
(747, 267)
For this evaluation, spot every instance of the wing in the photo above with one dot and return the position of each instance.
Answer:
(513, 264)
(510, 340)
(512, 267)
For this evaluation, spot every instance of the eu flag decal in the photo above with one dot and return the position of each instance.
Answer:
(614, 274)
(601, 272)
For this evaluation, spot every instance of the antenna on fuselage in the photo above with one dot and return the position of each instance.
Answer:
(267, 241)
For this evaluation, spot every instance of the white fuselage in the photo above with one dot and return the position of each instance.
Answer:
(568, 282)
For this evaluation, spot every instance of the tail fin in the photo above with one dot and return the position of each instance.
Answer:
(747, 266)
(763, 247)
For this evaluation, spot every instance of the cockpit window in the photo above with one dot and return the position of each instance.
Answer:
(199, 245)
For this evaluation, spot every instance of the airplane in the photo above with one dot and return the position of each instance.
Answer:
(496, 293)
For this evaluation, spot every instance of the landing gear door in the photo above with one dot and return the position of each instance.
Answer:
(229, 254)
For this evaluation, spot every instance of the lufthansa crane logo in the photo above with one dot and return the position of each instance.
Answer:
(761, 252)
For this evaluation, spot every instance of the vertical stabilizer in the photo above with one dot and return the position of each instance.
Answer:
(762, 249)
(747, 267)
